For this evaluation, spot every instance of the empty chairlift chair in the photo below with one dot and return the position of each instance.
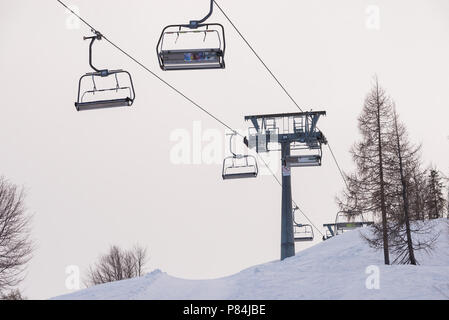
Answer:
(312, 159)
(104, 88)
(192, 46)
(302, 232)
(344, 222)
(312, 153)
(239, 166)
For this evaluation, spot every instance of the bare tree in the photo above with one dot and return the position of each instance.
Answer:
(117, 265)
(403, 159)
(12, 295)
(389, 181)
(417, 190)
(15, 243)
(435, 201)
(368, 189)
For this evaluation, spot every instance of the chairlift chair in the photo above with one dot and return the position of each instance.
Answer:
(347, 226)
(197, 57)
(302, 232)
(239, 166)
(312, 159)
(99, 98)
(343, 223)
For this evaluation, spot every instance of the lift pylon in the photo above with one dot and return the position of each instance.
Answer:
(299, 140)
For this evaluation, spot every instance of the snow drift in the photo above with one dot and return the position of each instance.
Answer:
(336, 269)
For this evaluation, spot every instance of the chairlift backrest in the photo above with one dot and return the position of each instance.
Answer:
(345, 226)
(303, 161)
(345, 222)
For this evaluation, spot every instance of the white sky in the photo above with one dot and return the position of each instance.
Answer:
(105, 177)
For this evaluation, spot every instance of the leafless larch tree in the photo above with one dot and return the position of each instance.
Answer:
(389, 183)
(367, 189)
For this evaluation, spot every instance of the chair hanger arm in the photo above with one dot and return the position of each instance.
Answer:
(97, 36)
(194, 23)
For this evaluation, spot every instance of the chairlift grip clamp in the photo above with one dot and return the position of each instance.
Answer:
(194, 24)
(97, 36)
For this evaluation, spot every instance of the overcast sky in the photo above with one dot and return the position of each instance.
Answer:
(108, 177)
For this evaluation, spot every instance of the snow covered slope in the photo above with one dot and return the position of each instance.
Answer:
(335, 269)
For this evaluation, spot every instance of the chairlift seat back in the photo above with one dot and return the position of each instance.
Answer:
(195, 58)
(303, 161)
(349, 225)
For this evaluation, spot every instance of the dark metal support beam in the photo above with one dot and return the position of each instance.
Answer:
(284, 115)
(287, 232)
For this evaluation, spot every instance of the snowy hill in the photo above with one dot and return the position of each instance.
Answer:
(335, 269)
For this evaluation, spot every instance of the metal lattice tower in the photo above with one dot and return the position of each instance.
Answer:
(300, 142)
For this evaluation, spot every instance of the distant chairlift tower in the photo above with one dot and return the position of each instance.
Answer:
(300, 142)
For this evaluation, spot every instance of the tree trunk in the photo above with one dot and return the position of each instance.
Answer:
(382, 185)
(404, 196)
